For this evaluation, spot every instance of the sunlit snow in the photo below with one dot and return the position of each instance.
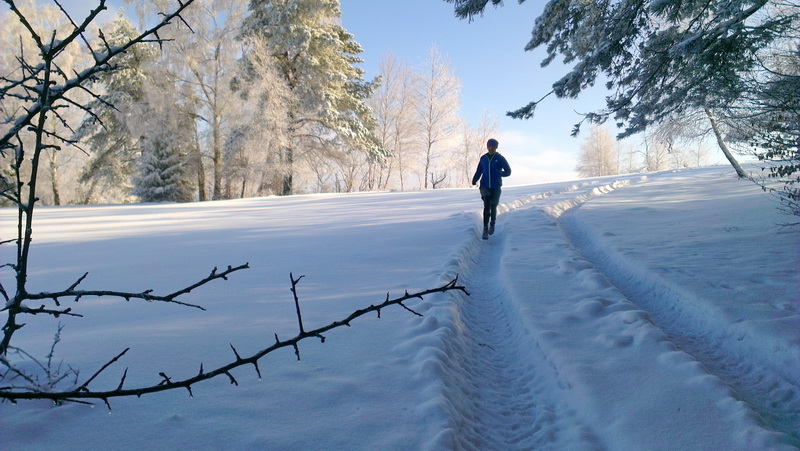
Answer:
(635, 312)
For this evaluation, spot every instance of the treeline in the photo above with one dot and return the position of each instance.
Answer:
(247, 98)
(677, 143)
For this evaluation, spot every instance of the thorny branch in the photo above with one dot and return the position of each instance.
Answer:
(167, 383)
(145, 295)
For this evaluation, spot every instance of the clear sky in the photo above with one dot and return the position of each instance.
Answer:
(488, 56)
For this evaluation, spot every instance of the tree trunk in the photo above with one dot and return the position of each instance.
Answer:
(217, 143)
(714, 126)
(288, 161)
(54, 178)
(201, 172)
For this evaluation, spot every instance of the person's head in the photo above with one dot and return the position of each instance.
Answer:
(491, 145)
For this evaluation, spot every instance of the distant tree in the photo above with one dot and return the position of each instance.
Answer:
(628, 157)
(656, 153)
(473, 144)
(317, 59)
(437, 104)
(659, 57)
(392, 104)
(681, 136)
(598, 156)
(162, 171)
(112, 145)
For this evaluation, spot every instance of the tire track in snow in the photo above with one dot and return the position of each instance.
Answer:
(752, 377)
(498, 383)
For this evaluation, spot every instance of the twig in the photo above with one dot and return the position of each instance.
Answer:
(167, 383)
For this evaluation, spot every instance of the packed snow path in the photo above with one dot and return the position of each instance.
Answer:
(499, 383)
(527, 362)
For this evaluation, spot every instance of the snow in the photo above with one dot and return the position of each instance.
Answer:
(635, 312)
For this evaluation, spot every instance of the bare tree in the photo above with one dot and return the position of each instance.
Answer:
(598, 155)
(438, 96)
(41, 85)
(473, 144)
(392, 104)
(682, 135)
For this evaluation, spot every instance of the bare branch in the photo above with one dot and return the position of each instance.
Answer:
(297, 302)
(145, 295)
(168, 384)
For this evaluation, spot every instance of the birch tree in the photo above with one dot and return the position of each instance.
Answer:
(392, 105)
(598, 155)
(437, 104)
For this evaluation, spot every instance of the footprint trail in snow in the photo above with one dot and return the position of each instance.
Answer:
(555, 350)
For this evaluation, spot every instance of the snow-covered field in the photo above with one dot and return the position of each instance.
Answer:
(637, 312)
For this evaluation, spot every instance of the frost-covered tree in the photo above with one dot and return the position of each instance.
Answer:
(655, 152)
(393, 106)
(771, 129)
(114, 148)
(473, 144)
(162, 172)
(682, 136)
(61, 165)
(317, 59)
(202, 64)
(598, 156)
(437, 103)
(658, 57)
(261, 131)
(166, 140)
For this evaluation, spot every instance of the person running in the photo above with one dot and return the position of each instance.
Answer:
(492, 167)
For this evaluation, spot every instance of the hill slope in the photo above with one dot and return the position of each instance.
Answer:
(656, 312)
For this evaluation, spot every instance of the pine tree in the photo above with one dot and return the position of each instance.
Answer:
(772, 129)
(162, 172)
(316, 57)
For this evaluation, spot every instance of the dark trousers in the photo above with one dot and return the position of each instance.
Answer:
(491, 198)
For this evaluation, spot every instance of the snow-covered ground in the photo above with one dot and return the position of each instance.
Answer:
(638, 312)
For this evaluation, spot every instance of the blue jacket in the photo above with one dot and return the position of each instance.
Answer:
(491, 170)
